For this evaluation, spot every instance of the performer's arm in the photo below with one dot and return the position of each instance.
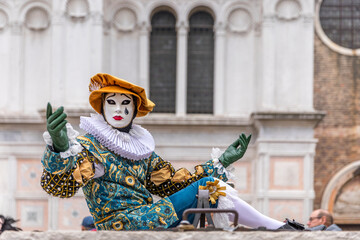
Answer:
(65, 183)
(163, 180)
(66, 164)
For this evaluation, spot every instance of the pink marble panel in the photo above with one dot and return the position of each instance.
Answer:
(281, 209)
(286, 173)
(71, 212)
(242, 177)
(33, 214)
(28, 175)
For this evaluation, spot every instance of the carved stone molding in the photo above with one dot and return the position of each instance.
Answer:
(341, 196)
(308, 18)
(313, 116)
(124, 20)
(240, 21)
(288, 10)
(16, 28)
(37, 19)
(258, 28)
(106, 27)
(77, 9)
(57, 18)
(268, 20)
(144, 28)
(220, 28)
(4, 19)
(97, 18)
(182, 28)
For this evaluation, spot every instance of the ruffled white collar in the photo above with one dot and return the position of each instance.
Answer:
(136, 145)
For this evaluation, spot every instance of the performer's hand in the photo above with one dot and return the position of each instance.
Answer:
(56, 127)
(235, 151)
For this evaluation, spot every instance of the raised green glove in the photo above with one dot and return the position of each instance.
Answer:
(56, 127)
(235, 151)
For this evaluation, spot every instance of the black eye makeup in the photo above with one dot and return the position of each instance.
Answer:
(125, 102)
(110, 101)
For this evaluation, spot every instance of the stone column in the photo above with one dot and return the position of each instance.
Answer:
(181, 69)
(5, 53)
(10, 199)
(16, 68)
(219, 73)
(57, 97)
(267, 81)
(144, 56)
(96, 63)
(7, 185)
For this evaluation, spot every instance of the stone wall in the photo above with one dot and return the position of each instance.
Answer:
(336, 91)
(178, 235)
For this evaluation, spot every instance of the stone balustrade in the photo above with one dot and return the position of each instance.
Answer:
(168, 235)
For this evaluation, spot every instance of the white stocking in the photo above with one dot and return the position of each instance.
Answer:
(248, 215)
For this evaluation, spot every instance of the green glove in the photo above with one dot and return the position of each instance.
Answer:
(235, 151)
(56, 127)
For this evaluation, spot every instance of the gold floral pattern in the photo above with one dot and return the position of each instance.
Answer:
(118, 225)
(130, 180)
(214, 190)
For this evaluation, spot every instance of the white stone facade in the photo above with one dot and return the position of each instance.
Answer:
(263, 85)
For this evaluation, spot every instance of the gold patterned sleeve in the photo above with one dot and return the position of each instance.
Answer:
(65, 185)
(164, 181)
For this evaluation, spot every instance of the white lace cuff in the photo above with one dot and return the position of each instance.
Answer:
(74, 146)
(215, 154)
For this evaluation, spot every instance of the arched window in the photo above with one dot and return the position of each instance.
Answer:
(163, 62)
(200, 64)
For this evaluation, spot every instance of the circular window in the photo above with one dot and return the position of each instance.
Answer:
(338, 25)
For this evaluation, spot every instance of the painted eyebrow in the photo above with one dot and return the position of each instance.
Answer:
(126, 95)
(110, 96)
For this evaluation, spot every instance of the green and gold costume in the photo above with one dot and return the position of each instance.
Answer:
(121, 198)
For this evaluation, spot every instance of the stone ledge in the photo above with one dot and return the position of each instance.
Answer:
(168, 235)
(288, 115)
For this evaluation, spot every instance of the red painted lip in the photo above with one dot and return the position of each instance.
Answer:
(118, 118)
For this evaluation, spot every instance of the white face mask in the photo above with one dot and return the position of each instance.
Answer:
(118, 109)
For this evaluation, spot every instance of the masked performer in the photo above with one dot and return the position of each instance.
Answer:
(118, 170)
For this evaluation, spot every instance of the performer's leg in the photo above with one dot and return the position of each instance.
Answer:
(248, 215)
(186, 198)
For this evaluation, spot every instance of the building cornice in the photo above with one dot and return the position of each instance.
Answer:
(279, 115)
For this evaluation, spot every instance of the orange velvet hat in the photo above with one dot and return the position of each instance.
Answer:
(105, 83)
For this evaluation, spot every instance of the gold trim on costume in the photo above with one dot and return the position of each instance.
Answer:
(84, 171)
(214, 190)
(181, 175)
(160, 176)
